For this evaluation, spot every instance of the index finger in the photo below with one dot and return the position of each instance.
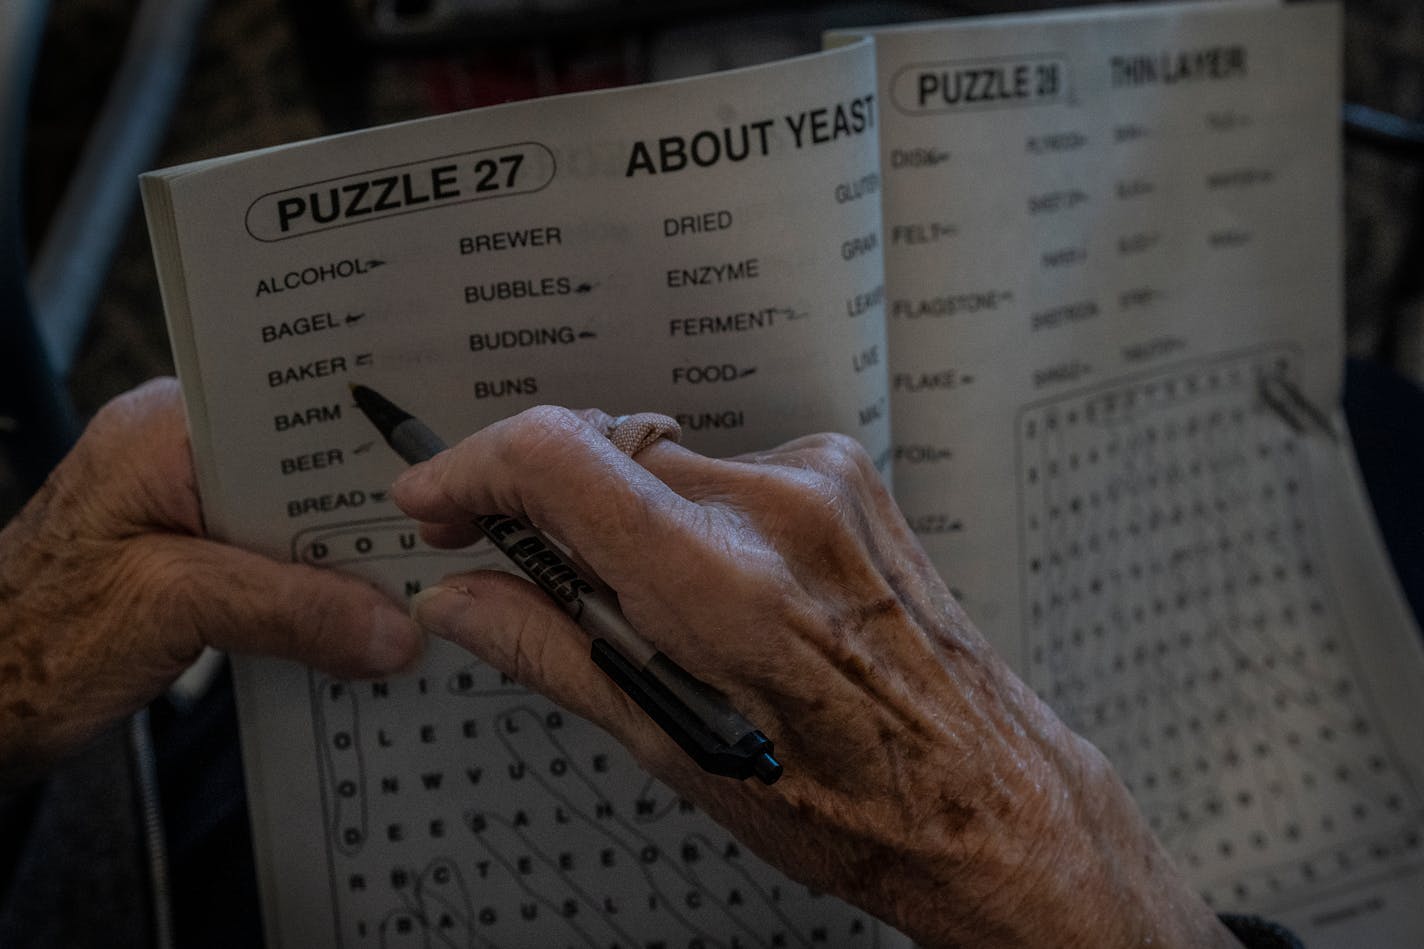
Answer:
(552, 467)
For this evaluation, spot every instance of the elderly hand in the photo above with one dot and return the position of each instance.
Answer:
(108, 590)
(923, 780)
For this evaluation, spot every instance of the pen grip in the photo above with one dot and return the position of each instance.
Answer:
(415, 442)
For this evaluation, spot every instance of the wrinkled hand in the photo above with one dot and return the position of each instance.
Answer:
(923, 780)
(108, 590)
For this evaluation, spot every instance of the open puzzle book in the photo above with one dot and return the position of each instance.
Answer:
(1075, 282)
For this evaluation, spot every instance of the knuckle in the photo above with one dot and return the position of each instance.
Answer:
(134, 456)
(596, 419)
(118, 411)
(540, 439)
(822, 497)
(841, 458)
(804, 503)
(535, 430)
(546, 438)
(818, 492)
(155, 399)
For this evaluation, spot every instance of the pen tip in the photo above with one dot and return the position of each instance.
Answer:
(365, 396)
(385, 414)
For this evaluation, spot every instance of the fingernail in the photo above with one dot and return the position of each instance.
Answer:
(407, 480)
(396, 642)
(419, 475)
(440, 610)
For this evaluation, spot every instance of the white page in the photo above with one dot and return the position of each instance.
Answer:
(449, 807)
(1093, 259)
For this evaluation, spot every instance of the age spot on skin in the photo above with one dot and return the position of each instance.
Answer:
(22, 709)
(881, 607)
(32, 651)
(955, 815)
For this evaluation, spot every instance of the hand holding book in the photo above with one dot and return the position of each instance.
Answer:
(110, 588)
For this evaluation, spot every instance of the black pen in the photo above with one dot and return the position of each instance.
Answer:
(695, 715)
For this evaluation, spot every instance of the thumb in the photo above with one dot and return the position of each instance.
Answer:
(243, 602)
(512, 625)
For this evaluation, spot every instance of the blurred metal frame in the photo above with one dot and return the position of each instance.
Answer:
(37, 419)
(45, 308)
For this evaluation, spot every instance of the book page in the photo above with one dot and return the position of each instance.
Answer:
(706, 248)
(1113, 254)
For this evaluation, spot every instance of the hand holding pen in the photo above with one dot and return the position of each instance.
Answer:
(923, 780)
(692, 713)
